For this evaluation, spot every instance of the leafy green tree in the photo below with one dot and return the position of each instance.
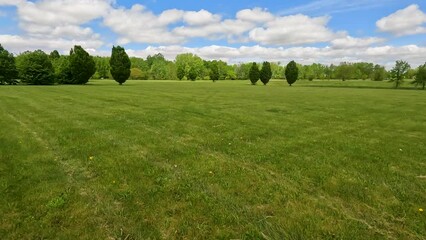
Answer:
(345, 71)
(102, 67)
(155, 58)
(81, 66)
(171, 70)
(277, 71)
(8, 72)
(35, 68)
(379, 73)
(137, 74)
(189, 63)
(411, 73)
(159, 70)
(398, 72)
(119, 64)
(230, 73)
(291, 72)
(421, 76)
(318, 71)
(180, 72)
(214, 71)
(192, 75)
(254, 74)
(363, 70)
(265, 73)
(54, 55)
(242, 71)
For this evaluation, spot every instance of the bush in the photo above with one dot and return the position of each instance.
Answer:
(36, 68)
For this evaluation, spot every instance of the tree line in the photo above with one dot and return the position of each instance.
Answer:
(78, 67)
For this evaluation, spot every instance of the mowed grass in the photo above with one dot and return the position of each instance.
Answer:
(202, 160)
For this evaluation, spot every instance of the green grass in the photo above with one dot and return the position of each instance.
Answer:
(202, 160)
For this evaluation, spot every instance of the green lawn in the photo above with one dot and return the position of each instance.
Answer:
(203, 160)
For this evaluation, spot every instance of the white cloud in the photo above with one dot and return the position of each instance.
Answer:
(62, 12)
(295, 29)
(255, 15)
(137, 24)
(170, 16)
(11, 2)
(55, 24)
(18, 44)
(226, 29)
(200, 18)
(407, 21)
(351, 42)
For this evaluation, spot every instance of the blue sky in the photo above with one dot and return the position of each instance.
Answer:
(326, 31)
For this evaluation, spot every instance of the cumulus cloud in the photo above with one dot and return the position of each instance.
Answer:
(407, 21)
(351, 42)
(228, 28)
(55, 24)
(200, 18)
(295, 29)
(138, 24)
(255, 15)
(11, 2)
(18, 44)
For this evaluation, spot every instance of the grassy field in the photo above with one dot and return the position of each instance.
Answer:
(202, 160)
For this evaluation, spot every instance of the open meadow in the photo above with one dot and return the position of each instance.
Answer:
(203, 160)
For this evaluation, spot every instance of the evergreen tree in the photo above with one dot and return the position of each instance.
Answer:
(119, 64)
(81, 66)
(8, 72)
(265, 73)
(291, 72)
(254, 73)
